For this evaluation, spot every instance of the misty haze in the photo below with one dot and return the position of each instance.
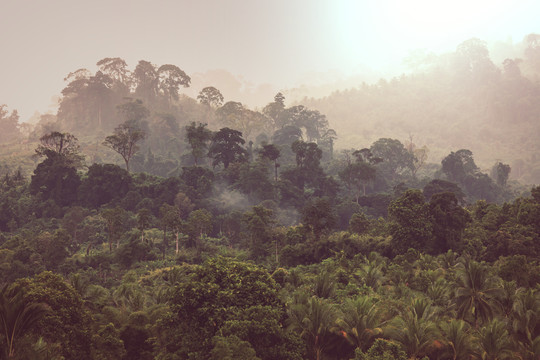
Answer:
(270, 180)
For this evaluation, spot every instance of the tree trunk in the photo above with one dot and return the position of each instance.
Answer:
(164, 242)
(177, 242)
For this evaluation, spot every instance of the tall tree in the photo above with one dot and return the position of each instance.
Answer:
(235, 115)
(56, 177)
(62, 145)
(318, 215)
(171, 77)
(226, 147)
(477, 293)
(146, 81)
(500, 173)
(314, 320)
(361, 322)
(449, 221)
(271, 152)
(116, 69)
(124, 141)
(210, 96)
(259, 222)
(396, 160)
(144, 220)
(8, 124)
(411, 227)
(198, 137)
(458, 165)
(115, 219)
(275, 110)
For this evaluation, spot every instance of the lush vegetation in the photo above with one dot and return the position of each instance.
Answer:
(150, 225)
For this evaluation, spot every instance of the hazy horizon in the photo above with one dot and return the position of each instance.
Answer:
(267, 46)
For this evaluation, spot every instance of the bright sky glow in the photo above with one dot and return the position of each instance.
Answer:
(275, 42)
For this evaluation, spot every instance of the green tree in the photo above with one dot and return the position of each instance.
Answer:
(17, 318)
(396, 160)
(171, 219)
(477, 293)
(318, 216)
(115, 219)
(357, 176)
(411, 227)
(124, 140)
(108, 344)
(102, 184)
(116, 69)
(415, 329)
(232, 348)
(87, 102)
(56, 179)
(457, 339)
(198, 136)
(198, 224)
(437, 186)
(494, 342)
(226, 147)
(215, 296)
(275, 110)
(146, 80)
(197, 181)
(359, 223)
(144, 220)
(287, 135)
(361, 322)
(458, 165)
(308, 170)
(171, 77)
(210, 96)
(382, 350)
(500, 173)
(259, 222)
(525, 319)
(272, 153)
(63, 146)
(68, 321)
(449, 221)
(314, 320)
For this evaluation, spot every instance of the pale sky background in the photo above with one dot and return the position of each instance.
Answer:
(274, 41)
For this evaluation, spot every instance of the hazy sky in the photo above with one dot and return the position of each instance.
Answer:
(271, 41)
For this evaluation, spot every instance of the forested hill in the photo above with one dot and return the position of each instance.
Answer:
(156, 226)
(457, 100)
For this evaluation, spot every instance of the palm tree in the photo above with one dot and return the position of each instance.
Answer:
(324, 285)
(493, 342)
(439, 293)
(415, 329)
(457, 340)
(361, 323)
(526, 318)
(315, 321)
(371, 274)
(535, 348)
(17, 316)
(477, 293)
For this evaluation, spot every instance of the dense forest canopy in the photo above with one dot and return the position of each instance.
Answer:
(141, 223)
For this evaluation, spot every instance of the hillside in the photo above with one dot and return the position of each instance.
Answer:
(458, 100)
